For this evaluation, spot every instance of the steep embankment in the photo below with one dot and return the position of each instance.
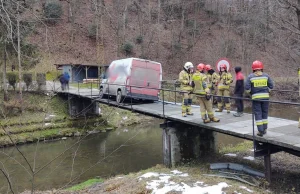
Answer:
(171, 33)
(46, 118)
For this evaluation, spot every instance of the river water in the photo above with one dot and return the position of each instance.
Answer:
(122, 151)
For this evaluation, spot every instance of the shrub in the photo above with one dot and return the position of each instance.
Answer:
(41, 80)
(127, 48)
(139, 39)
(53, 11)
(92, 31)
(27, 77)
(12, 79)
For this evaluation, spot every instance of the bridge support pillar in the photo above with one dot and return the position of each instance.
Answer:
(183, 142)
(81, 107)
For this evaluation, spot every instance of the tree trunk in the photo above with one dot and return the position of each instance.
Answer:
(124, 20)
(19, 55)
(4, 73)
(298, 14)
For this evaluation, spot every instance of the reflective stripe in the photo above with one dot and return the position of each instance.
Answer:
(259, 122)
(265, 121)
(199, 92)
(210, 113)
(223, 87)
(258, 78)
(260, 95)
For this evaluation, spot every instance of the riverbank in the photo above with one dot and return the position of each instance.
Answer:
(191, 177)
(46, 118)
(159, 179)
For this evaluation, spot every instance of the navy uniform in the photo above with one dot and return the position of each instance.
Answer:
(258, 85)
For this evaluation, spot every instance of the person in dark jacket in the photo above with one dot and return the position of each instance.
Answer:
(62, 81)
(67, 79)
(239, 91)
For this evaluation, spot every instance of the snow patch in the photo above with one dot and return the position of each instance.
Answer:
(47, 124)
(176, 172)
(249, 158)
(125, 118)
(230, 154)
(162, 185)
(125, 130)
(149, 174)
(245, 188)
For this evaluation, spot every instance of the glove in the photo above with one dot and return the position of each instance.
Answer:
(207, 97)
(192, 84)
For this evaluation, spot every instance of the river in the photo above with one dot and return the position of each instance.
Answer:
(125, 150)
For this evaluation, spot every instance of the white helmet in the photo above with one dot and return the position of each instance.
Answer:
(188, 65)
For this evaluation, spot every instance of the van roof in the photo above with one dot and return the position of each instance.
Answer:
(140, 60)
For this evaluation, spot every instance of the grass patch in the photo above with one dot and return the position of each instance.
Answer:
(85, 184)
(241, 147)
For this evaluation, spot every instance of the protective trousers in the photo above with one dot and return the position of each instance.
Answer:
(187, 102)
(239, 103)
(205, 105)
(261, 109)
(224, 93)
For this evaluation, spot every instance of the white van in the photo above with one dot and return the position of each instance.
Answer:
(123, 73)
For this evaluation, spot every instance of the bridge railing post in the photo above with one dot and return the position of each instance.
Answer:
(78, 86)
(163, 92)
(175, 92)
(108, 93)
(253, 126)
(91, 89)
(130, 98)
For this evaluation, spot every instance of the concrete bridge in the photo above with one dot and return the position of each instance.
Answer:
(282, 135)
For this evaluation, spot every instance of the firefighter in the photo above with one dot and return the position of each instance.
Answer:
(212, 79)
(258, 84)
(185, 78)
(224, 81)
(201, 88)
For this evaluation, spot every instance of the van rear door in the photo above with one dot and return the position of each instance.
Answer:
(137, 77)
(153, 78)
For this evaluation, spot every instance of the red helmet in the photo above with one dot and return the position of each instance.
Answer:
(201, 67)
(257, 65)
(207, 67)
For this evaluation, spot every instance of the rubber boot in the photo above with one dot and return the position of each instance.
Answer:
(190, 113)
(184, 114)
(228, 111)
(259, 133)
(214, 119)
(219, 110)
(206, 121)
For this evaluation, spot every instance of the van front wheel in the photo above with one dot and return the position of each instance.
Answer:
(119, 97)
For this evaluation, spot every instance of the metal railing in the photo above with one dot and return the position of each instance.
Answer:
(162, 91)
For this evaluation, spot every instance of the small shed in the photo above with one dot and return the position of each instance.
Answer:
(78, 72)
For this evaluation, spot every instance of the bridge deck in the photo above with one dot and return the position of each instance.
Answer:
(281, 132)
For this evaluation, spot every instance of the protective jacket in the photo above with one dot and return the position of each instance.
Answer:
(258, 85)
(199, 80)
(212, 79)
(225, 80)
(185, 79)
